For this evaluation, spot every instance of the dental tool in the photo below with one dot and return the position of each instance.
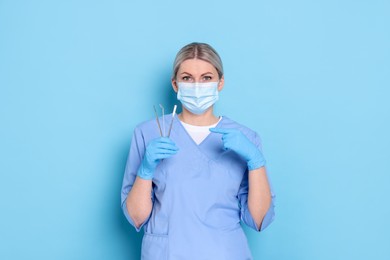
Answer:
(173, 115)
(163, 118)
(162, 129)
(158, 122)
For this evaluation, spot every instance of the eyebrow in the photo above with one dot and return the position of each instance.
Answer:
(201, 75)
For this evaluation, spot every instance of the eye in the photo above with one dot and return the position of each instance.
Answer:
(207, 78)
(186, 78)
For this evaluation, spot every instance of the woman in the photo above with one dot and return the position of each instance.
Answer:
(191, 190)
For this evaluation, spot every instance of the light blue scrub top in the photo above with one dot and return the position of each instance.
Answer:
(199, 196)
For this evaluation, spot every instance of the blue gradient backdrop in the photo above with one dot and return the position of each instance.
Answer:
(312, 77)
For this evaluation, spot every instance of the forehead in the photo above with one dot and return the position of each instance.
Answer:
(196, 66)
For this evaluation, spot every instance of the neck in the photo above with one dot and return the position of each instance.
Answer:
(207, 118)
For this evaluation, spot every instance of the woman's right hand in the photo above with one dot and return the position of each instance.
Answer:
(157, 149)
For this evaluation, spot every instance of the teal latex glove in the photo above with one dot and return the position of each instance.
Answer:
(235, 140)
(158, 149)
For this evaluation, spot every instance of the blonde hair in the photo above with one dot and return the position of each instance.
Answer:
(201, 51)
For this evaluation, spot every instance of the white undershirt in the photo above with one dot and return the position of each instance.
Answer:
(199, 133)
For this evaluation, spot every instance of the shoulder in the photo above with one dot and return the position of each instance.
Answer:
(149, 129)
(146, 125)
(229, 123)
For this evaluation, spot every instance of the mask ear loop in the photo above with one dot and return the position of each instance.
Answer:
(177, 86)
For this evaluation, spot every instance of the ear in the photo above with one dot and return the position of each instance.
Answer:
(174, 85)
(221, 83)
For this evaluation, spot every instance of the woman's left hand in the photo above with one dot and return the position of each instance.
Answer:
(235, 140)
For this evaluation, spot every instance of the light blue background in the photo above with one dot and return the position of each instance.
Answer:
(312, 77)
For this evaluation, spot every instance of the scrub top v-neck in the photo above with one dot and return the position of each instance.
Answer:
(199, 133)
(199, 196)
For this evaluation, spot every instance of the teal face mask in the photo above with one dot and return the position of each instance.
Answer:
(197, 97)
